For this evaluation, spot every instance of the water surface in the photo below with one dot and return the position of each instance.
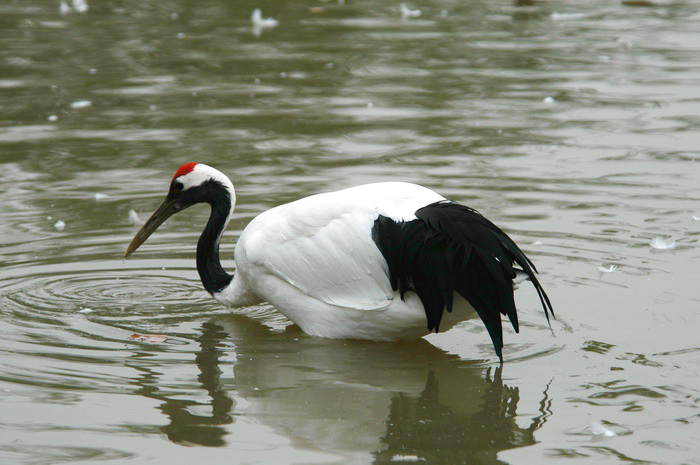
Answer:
(575, 128)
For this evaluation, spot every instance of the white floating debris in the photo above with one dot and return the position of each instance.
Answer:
(85, 310)
(260, 23)
(100, 196)
(406, 12)
(660, 243)
(80, 6)
(599, 430)
(407, 458)
(564, 16)
(53, 118)
(134, 218)
(81, 104)
(608, 269)
(59, 225)
(181, 35)
(63, 8)
(696, 218)
(537, 243)
(548, 100)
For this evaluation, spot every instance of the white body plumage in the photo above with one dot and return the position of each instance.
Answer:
(314, 260)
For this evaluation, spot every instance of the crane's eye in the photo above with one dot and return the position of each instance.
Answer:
(177, 187)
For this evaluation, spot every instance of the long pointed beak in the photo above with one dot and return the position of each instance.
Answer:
(164, 211)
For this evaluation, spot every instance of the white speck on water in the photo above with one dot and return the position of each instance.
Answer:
(549, 100)
(406, 12)
(444, 13)
(49, 218)
(260, 23)
(370, 105)
(59, 225)
(599, 430)
(407, 458)
(63, 8)
(134, 218)
(608, 268)
(174, 15)
(256, 81)
(696, 218)
(152, 107)
(181, 35)
(659, 243)
(100, 196)
(93, 71)
(537, 243)
(53, 118)
(85, 310)
(283, 74)
(80, 6)
(81, 104)
(564, 16)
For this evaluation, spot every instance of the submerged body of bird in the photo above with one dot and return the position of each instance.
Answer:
(379, 261)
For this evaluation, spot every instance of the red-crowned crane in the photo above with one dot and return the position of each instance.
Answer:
(379, 261)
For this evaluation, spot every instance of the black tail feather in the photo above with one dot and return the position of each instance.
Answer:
(453, 248)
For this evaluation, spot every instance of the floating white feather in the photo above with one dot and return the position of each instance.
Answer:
(608, 269)
(64, 8)
(598, 429)
(80, 6)
(406, 12)
(134, 218)
(80, 104)
(659, 243)
(260, 23)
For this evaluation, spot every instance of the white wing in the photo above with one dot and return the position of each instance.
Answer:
(322, 245)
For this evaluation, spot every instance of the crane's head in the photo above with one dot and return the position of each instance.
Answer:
(192, 183)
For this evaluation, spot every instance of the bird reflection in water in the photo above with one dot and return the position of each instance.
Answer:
(359, 400)
(185, 427)
(428, 429)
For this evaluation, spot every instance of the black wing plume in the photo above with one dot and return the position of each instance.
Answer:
(453, 248)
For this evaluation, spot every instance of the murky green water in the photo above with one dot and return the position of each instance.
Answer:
(576, 128)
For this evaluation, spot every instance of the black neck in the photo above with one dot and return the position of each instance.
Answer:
(213, 276)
